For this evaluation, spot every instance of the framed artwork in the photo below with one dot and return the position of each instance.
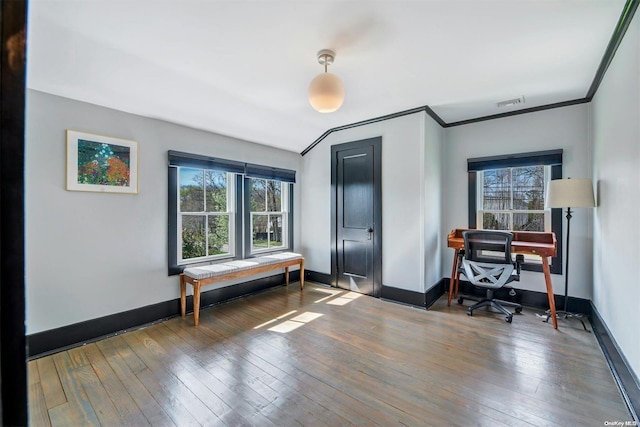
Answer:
(101, 163)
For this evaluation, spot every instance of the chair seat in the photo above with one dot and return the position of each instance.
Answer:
(487, 263)
(486, 274)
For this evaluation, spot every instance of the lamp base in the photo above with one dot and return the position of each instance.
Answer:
(563, 315)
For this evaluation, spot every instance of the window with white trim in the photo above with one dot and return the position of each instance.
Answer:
(205, 214)
(513, 199)
(269, 217)
(226, 209)
(506, 192)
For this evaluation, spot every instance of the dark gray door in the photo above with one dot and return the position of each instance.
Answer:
(357, 219)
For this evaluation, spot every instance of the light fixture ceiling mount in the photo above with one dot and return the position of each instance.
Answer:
(326, 57)
(326, 91)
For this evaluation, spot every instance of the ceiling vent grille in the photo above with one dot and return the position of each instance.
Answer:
(510, 102)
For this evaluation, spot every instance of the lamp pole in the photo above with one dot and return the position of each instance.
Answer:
(563, 193)
(565, 314)
(566, 266)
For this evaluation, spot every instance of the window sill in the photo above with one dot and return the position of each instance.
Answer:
(268, 251)
(177, 269)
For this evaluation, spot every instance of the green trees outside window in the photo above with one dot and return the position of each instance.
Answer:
(267, 214)
(204, 213)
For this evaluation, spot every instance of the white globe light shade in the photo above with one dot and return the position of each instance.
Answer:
(326, 93)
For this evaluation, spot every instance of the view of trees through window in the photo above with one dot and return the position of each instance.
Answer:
(513, 199)
(266, 213)
(204, 213)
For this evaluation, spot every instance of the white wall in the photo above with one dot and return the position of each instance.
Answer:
(433, 193)
(92, 254)
(565, 128)
(403, 200)
(616, 172)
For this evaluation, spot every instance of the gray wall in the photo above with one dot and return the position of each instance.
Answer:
(410, 200)
(433, 208)
(565, 128)
(89, 255)
(616, 174)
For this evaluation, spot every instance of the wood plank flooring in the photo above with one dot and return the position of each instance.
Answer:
(325, 357)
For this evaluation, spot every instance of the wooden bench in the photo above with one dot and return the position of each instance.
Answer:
(214, 273)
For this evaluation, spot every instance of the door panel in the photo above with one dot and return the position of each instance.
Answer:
(356, 190)
(355, 227)
(354, 255)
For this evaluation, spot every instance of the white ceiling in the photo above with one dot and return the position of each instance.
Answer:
(242, 68)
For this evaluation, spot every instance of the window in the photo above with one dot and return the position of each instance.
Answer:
(268, 214)
(205, 217)
(223, 209)
(513, 199)
(507, 193)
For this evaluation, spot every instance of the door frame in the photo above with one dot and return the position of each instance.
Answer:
(13, 351)
(376, 143)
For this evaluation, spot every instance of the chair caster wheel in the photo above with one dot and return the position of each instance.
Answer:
(460, 300)
(518, 309)
(508, 319)
(469, 313)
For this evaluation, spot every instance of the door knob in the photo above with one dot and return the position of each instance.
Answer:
(369, 230)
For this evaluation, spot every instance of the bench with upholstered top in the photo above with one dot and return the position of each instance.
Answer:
(214, 273)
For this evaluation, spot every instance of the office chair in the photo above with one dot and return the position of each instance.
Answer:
(487, 263)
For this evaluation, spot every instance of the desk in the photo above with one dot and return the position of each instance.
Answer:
(524, 242)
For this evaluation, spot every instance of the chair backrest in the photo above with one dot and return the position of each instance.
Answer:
(478, 242)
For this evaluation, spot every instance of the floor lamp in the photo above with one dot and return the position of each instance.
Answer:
(569, 193)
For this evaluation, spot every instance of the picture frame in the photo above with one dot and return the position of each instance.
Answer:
(101, 164)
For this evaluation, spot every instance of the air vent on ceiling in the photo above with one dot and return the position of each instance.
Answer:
(510, 102)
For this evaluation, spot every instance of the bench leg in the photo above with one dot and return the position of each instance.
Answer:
(196, 303)
(286, 276)
(183, 296)
(302, 274)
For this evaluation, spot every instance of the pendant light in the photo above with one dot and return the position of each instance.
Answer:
(326, 92)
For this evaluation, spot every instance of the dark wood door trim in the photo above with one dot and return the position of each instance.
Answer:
(13, 364)
(377, 208)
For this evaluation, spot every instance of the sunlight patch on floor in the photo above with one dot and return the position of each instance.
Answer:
(276, 319)
(344, 299)
(296, 322)
(333, 297)
(330, 294)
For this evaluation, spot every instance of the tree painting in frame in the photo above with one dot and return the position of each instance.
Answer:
(101, 163)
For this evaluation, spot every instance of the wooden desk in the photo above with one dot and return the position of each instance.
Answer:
(524, 242)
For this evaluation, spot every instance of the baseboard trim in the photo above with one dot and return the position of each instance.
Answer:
(530, 298)
(624, 377)
(436, 291)
(54, 340)
(403, 296)
(314, 276)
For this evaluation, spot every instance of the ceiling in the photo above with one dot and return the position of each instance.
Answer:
(242, 68)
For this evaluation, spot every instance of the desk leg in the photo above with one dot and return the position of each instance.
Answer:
(454, 272)
(302, 274)
(552, 302)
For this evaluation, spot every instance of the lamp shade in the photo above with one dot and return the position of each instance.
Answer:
(326, 93)
(574, 193)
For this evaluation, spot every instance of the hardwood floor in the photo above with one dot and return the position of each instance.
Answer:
(325, 357)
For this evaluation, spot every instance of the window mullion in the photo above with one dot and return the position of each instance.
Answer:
(511, 190)
(206, 234)
(268, 231)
